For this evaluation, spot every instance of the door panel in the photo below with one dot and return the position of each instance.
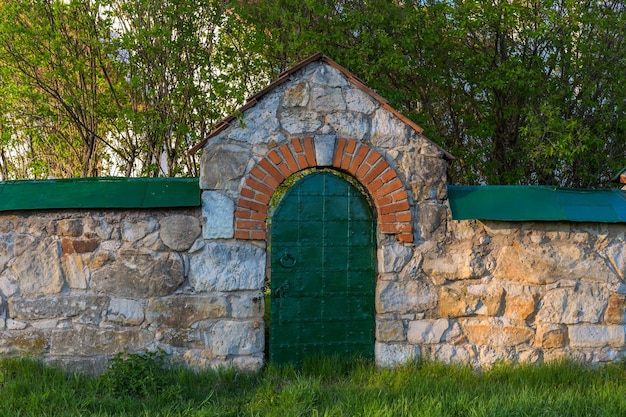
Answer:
(322, 271)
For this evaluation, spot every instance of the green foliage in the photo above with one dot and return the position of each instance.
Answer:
(137, 375)
(520, 92)
(324, 386)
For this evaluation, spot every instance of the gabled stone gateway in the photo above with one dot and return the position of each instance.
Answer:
(187, 275)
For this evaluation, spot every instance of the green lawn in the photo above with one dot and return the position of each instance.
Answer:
(322, 387)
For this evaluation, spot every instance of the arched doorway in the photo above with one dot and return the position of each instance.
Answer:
(323, 271)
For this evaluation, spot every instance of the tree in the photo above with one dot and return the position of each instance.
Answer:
(53, 59)
(186, 67)
(520, 92)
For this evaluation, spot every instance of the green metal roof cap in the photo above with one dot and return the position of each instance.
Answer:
(99, 192)
(537, 203)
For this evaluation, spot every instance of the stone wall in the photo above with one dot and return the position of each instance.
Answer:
(483, 292)
(78, 287)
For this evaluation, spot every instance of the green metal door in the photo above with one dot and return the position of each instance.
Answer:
(322, 271)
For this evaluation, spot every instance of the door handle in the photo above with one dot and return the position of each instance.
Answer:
(280, 291)
(287, 261)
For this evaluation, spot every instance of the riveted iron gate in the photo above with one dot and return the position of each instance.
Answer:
(322, 271)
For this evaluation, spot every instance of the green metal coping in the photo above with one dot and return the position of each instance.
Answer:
(537, 203)
(99, 192)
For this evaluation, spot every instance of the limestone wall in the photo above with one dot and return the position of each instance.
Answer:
(490, 291)
(78, 287)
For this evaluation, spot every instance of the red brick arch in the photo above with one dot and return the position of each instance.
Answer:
(366, 164)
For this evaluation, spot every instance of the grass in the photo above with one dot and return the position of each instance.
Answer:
(139, 385)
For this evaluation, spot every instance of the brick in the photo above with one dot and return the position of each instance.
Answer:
(394, 208)
(375, 185)
(404, 216)
(297, 145)
(395, 227)
(345, 161)
(358, 159)
(284, 169)
(362, 171)
(249, 225)
(247, 192)
(388, 188)
(399, 195)
(256, 215)
(275, 157)
(272, 182)
(387, 218)
(271, 170)
(242, 234)
(263, 198)
(259, 186)
(351, 146)
(405, 237)
(384, 201)
(373, 157)
(289, 159)
(341, 143)
(257, 235)
(389, 175)
(257, 173)
(309, 152)
(302, 161)
(376, 170)
(253, 205)
(242, 213)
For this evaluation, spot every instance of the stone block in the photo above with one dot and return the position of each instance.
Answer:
(8, 283)
(388, 131)
(260, 123)
(325, 75)
(549, 263)
(30, 343)
(222, 166)
(78, 245)
(457, 263)
(597, 336)
(182, 311)
(582, 303)
(616, 309)
(551, 336)
(222, 266)
(247, 305)
(520, 302)
(431, 331)
(82, 308)
(405, 297)
(229, 337)
(616, 254)
(125, 312)
(448, 353)
(39, 271)
(218, 214)
(69, 227)
(389, 355)
(327, 99)
(75, 270)
(390, 331)
(324, 149)
(496, 332)
(178, 232)
(460, 300)
(297, 121)
(358, 101)
(78, 340)
(431, 221)
(297, 95)
(138, 274)
(392, 257)
(134, 231)
(348, 125)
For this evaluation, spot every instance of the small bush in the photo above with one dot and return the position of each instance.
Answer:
(138, 375)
